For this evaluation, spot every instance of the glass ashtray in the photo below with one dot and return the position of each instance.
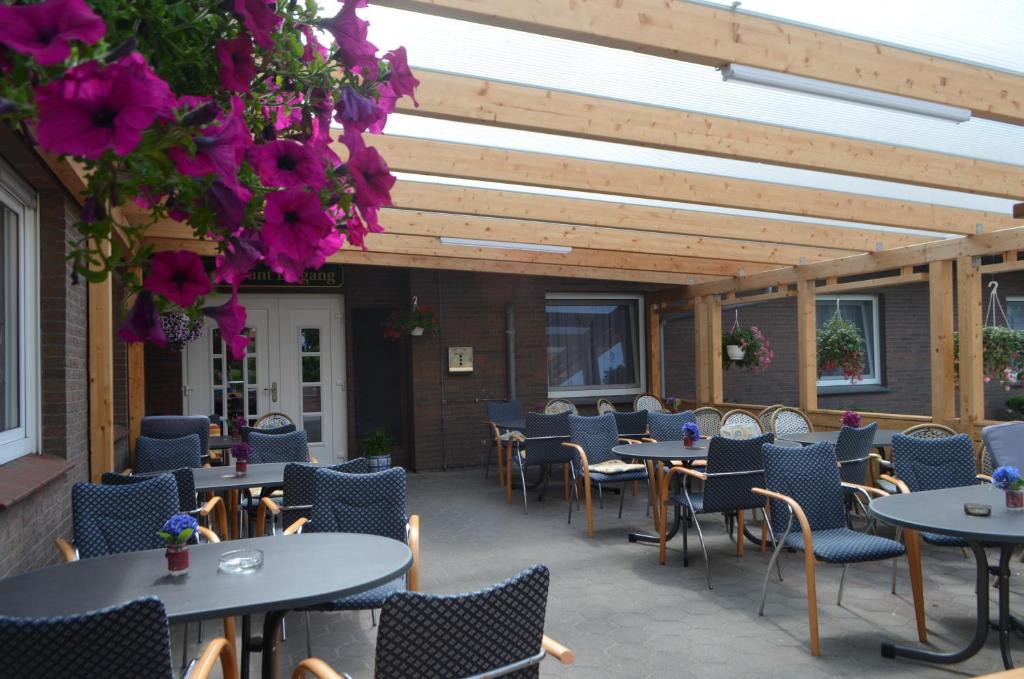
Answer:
(240, 561)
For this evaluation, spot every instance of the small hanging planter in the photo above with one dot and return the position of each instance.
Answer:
(841, 347)
(746, 348)
(417, 331)
(179, 329)
(735, 352)
(1002, 346)
(413, 322)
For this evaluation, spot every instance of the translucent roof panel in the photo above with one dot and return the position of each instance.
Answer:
(515, 56)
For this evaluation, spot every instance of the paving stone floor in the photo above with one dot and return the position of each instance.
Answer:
(626, 616)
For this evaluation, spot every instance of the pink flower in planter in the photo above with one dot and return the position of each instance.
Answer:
(287, 164)
(401, 81)
(358, 112)
(230, 318)
(178, 276)
(372, 179)
(294, 225)
(237, 68)
(349, 32)
(44, 31)
(220, 149)
(228, 204)
(143, 322)
(259, 17)
(94, 108)
(313, 48)
(233, 266)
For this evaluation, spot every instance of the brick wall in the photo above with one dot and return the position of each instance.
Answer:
(28, 528)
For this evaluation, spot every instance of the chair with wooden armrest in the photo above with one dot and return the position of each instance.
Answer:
(296, 498)
(734, 466)
(380, 511)
(741, 417)
(95, 644)
(188, 500)
(922, 431)
(709, 420)
(788, 420)
(559, 405)
(632, 425)
(541, 446)
(649, 402)
(765, 417)
(494, 632)
(177, 426)
(804, 486)
(932, 463)
(500, 411)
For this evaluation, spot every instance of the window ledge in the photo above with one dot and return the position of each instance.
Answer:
(24, 476)
(854, 389)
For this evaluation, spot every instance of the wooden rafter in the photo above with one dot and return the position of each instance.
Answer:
(519, 205)
(537, 169)
(498, 266)
(486, 102)
(716, 36)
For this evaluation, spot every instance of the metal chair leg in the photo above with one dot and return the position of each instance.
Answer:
(842, 580)
(703, 548)
(767, 574)
(622, 497)
(522, 480)
(309, 637)
(899, 536)
(184, 648)
(373, 616)
(575, 492)
(600, 496)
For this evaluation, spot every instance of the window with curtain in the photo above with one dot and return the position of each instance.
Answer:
(595, 345)
(862, 311)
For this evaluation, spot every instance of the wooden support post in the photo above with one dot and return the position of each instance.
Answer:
(940, 312)
(654, 355)
(136, 394)
(101, 379)
(713, 354)
(969, 320)
(807, 345)
(699, 352)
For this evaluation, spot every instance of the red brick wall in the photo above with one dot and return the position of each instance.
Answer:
(28, 528)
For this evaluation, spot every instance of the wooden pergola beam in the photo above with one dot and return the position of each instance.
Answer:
(415, 195)
(101, 378)
(717, 36)
(911, 255)
(444, 159)
(487, 102)
(495, 266)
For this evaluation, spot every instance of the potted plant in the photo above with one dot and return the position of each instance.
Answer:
(241, 451)
(1008, 479)
(414, 322)
(674, 404)
(176, 533)
(840, 346)
(747, 349)
(850, 418)
(1015, 407)
(691, 432)
(1003, 354)
(377, 449)
(180, 329)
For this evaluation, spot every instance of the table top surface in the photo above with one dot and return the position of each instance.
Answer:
(942, 511)
(883, 437)
(673, 450)
(298, 570)
(222, 442)
(516, 423)
(213, 479)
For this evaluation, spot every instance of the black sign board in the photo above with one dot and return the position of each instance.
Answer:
(327, 277)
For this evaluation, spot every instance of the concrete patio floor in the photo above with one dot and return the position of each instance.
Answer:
(627, 616)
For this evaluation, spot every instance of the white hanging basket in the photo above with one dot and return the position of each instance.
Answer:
(416, 332)
(735, 352)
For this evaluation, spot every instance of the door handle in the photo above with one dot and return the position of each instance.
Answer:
(273, 391)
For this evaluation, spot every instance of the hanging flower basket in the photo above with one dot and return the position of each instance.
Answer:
(840, 347)
(413, 323)
(1003, 354)
(179, 329)
(746, 349)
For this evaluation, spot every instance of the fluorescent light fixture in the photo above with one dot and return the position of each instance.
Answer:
(506, 245)
(821, 88)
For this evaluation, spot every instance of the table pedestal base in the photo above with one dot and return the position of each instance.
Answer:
(267, 644)
(1005, 624)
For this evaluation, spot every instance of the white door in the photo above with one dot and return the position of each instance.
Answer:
(295, 365)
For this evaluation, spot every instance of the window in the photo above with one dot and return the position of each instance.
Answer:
(862, 311)
(19, 331)
(595, 345)
(1015, 312)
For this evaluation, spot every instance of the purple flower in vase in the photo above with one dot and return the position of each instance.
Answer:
(241, 451)
(239, 421)
(851, 418)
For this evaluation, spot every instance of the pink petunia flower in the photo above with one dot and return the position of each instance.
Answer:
(143, 322)
(349, 32)
(287, 163)
(401, 81)
(294, 225)
(228, 204)
(241, 257)
(237, 68)
(356, 111)
(178, 276)
(94, 108)
(312, 48)
(371, 177)
(230, 318)
(44, 31)
(259, 17)
(220, 149)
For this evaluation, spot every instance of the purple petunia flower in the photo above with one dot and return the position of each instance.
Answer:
(178, 276)
(44, 31)
(143, 322)
(287, 164)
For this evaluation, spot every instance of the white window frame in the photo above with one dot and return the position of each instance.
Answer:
(839, 381)
(1013, 299)
(20, 198)
(598, 391)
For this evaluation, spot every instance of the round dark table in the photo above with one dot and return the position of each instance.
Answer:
(222, 442)
(883, 437)
(942, 512)
(298, 571)
(219, 479)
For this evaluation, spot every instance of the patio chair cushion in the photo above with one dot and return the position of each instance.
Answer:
(371, 598)
(164, 454)
(636, 475)
(115, 519)
(933, 464)
(299, 486)
(734, 466)
(283, 429)
(852, 449)
(176, 426)
(431, 636)
(669, 426)
(183, 478)
(810, 476)
(631, 424)
(372, 504)
(596, 435)
(290, 447)
(129, 640)
(943, 540)
(843, 545)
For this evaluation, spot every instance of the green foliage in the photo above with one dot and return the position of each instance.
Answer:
(1003, 350)
(840, 346)
(377, 444)
(758, 353)
(1015, 404)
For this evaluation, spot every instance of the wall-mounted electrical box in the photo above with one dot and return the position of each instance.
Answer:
(460, 359)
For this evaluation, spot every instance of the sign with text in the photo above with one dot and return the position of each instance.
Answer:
(327, 277)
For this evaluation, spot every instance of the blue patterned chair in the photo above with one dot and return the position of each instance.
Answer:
(129, 640)
(541, 446)
(733, 467)
(592, 439)
(176, 426)
(371, 504)
(290, 447)
(498, 631)
(632, 425)
(668, 426)
(921, 463)
(853, 450)
(804, 491)
(164, 454)
(274, 431)
(296, 500)
(188, 500)
(498, 412)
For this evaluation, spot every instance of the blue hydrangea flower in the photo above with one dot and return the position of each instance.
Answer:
(691, 430)
(178, 529)
(1007, 478)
